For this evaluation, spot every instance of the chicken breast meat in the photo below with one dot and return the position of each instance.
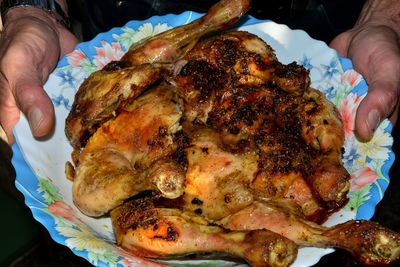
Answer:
(195, 143)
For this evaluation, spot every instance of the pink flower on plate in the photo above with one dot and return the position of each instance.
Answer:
(351, 76)
(63, 210)
(75, 58)
(348, 109)
(361, 178)
(107, 53)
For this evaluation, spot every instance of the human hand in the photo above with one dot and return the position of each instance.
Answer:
(373, 47)
(31, 44)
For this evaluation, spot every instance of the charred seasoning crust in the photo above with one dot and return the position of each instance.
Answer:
(172, 234)
(183, 142)
(135, 213)
(203, 77)
(141, 213)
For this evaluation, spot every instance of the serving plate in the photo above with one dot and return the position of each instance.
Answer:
(39, 163)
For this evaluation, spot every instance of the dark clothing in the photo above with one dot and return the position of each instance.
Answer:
(322, 19)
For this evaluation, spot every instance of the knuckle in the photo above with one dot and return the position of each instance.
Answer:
(387, 99)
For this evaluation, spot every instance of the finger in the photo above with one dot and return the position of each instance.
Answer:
(380, 67)
(35, 104)
(341, 43)
(9, 112)
(379, 103)
(26, 63)
(69, 41)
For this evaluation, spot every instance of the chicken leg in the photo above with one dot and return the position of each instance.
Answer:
(150, 231)
(173, 44)
(369, 242)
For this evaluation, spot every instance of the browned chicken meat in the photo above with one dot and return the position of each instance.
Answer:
(231, 87)
(213, 145)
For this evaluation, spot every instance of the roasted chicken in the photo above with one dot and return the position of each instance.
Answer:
(213, 145)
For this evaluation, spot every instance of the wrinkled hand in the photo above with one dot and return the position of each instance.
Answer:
(29, 51)
(373, 47)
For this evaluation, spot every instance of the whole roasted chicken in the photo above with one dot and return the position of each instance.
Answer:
(196, 143)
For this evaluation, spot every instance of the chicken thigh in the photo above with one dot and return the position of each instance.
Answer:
(130, 154)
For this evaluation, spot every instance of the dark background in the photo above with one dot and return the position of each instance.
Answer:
(26, 242)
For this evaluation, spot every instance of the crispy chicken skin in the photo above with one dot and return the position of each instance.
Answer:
(322, 125)
(235, 78)
(111, 90)
(126, 155)
(290, 168)
(152, 231)
(245, 53)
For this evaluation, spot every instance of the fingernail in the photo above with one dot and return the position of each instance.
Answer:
(373, 120)
(35, 118)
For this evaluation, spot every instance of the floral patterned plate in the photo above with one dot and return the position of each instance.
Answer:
(40, 163)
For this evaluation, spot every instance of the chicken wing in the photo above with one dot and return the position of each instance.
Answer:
(102, 94)
(290, 168)
(319, 121)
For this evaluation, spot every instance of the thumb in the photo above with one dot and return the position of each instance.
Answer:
(379, 103)
(35, 104)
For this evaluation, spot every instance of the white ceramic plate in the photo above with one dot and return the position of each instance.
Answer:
(40, 163)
